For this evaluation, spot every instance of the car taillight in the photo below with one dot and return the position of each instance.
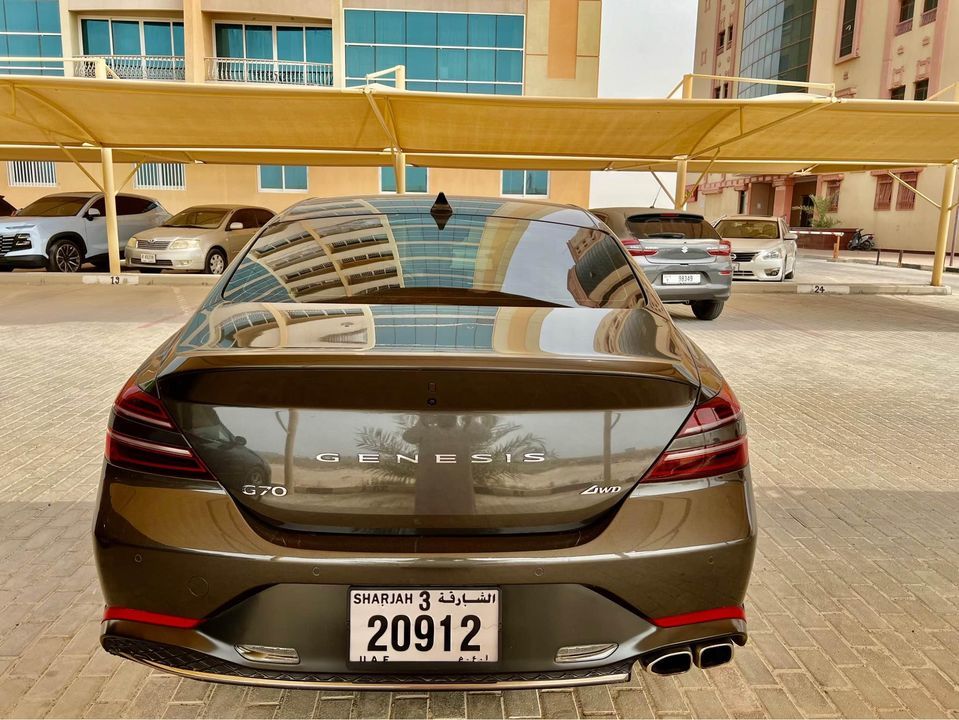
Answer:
(711, 442)
(725, 249)
(635, 248)
(142, 436)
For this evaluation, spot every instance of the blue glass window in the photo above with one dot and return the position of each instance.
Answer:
(390, 27)
(259, 42)
(447, 52)
(420, 28)
(319, 45)
(48, 16)
(229, 41)
(289, 44)
(126, 37)
(157, 38)
(416, 179)
(96, 37)
(21, 16)
(359, 26)
(283, 177)
(526, 182)
(178, 39)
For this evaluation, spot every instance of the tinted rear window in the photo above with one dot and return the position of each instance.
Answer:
(676, 226)
(753, 229)
(406, 258)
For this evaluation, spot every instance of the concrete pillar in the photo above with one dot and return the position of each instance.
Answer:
(110, 203)
(194, 43)
(339, 45)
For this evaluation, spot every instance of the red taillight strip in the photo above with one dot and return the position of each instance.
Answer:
(152, 618)
(142, 418)
(736, 612)
(151, 446)
(700, 451)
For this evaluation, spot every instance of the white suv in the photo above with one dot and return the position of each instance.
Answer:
(62, 231)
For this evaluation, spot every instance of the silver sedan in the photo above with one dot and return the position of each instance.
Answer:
(202, 238)
(681, 254)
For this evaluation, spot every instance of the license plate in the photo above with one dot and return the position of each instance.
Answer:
(735, 267)
(681, 278)
(458, 625)
(148, 258)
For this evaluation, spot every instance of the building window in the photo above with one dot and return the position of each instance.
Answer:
(848, 33)
(906, 198)
(907, 8)
(34, 173)
(832, 192)
(883, 193)
(922, 89)
(31, 28)
(776, 44)
(161, 176)
(717, 92)
(526, 183)
(729, 37)
(898, 93)
(283, 178)
(444, 52)
(417, 179)
(929, 9)
(721, 41)
(286, 54)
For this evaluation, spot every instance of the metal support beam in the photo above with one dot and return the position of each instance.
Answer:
(669, 195)
(679, 197)
(110, 202)
(399, 169)
(948, 190)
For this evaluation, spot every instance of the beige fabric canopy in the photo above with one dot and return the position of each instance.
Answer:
(56, 118)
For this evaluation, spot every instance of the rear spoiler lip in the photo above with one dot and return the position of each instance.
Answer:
(198, 361)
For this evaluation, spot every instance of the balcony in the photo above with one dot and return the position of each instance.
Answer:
(270, 72)
(132, 67)
(928, 17)
(904, 27)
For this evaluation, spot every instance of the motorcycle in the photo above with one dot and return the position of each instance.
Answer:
(862, 241)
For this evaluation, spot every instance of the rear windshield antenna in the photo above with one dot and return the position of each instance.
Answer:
(441, 211)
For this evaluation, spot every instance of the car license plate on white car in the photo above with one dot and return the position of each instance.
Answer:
(148, 258)
(424, 624)
(681, 278)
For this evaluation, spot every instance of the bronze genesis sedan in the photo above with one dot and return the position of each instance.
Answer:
(409, 442)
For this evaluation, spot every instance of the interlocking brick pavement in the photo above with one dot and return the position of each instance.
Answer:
(853, 406)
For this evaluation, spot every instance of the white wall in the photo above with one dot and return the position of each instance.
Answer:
(646, 48)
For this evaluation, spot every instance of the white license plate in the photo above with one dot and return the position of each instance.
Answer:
(735, 267)
(424, 625)
(681, 278)
(148, 258)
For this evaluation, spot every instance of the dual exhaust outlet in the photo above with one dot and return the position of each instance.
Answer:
(675, 661)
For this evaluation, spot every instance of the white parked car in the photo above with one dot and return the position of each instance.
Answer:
(63, 231)
(763, 248)
(202, 238)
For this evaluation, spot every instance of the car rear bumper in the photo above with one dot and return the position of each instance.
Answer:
(184, 260)
(712, 286)
(186, 551)
(23, 261)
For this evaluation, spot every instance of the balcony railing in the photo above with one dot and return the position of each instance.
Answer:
(133, 67)
(929, 16)
(904, 27)
(273, 72)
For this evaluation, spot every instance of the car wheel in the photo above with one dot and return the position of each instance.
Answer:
(215, 262)
(6, 268)
(65, 256)
(707, 309)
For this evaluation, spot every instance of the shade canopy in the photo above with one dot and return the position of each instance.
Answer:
(70, 118)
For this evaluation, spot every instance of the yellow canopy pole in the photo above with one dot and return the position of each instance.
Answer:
(679, 197)
(110, 202)
(399, 169)
(945, 216)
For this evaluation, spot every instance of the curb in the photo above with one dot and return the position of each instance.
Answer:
(889, 263)
(48, 278)
(792, 288)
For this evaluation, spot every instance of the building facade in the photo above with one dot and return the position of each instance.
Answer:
(890, 49)
(511, 47)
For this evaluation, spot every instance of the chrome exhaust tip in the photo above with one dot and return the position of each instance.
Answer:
(670, 662)
(714, 654)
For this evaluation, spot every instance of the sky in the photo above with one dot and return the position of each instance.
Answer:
(647, 46)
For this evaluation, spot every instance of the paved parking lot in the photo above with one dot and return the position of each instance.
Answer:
(853, 407)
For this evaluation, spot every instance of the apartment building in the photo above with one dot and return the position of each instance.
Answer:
(512, 47)
(891, 49)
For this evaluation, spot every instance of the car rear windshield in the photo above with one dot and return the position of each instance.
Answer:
(668, 226)
(409, 259)
(208, 218)
(758, 229)
(54, 206)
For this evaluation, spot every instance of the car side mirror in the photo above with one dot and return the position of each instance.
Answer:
(93, 213)
(235, 226)
(791, 236)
